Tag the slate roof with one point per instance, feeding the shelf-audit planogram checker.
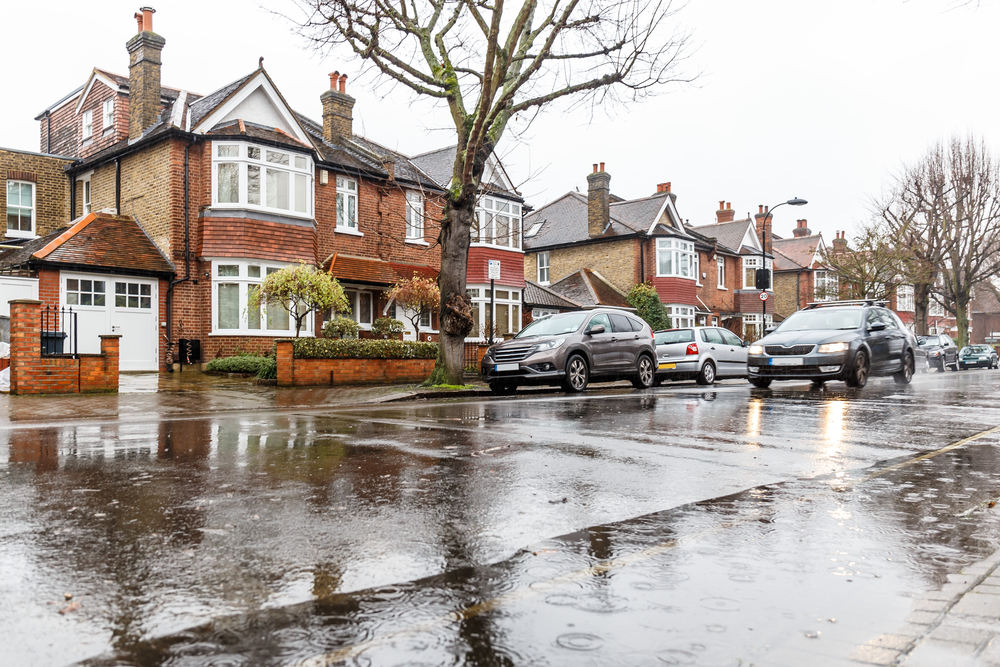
(728, 234)
(440, 163)
(202, 107)
(366, 270)
(795, 253)
(539, 295)
(256, 131)
(589, 288)
(98, 241)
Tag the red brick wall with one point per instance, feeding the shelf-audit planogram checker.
(675, 290)
(99, 372)
(326, 372)
(749, 302)
(239, 237)
(511, 266)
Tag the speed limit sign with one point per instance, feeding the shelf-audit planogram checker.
(763, 296)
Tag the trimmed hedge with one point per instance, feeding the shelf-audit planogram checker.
(365, 348)
(247, 364)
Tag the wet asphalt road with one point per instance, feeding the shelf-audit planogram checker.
(672, 526)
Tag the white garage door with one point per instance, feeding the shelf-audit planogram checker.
(115, 305)
(16, 288)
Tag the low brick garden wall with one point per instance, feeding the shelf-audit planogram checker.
(311, 364)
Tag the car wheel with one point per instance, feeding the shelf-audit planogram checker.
(644, 373)
(503, 388)
(658, 380)
(859, 374)
(577, 374)
(707, 374)
(955, 366)
(906, 373)
(940, 367)
(761, 383)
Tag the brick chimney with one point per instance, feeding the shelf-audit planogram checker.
(763, 220)
(662, 187)
(144, 75)
(725, 212)
(338, 122)
(598, 201)
(801, 229)
(840, 243)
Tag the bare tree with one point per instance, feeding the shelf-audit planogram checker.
(949, 220)
(871, 269)
(492, 66)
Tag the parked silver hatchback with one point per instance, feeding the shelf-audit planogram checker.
(573, 349)
(700, 353)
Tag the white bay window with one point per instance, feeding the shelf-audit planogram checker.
(506, 312)
(233, 281)
(675, 258)
(497, 223)
(826, 286)
(250, 176)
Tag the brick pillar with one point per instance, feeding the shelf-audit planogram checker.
(286, 363)
(25, 342)
(109, 350)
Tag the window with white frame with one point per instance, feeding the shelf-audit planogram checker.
(826, 286)
(20, 208)
(233, 280)
(250, 176)
(498, 222)
(86, 195)
(506, 312)
(108, 117)
(904, 299)
(675, 257)
(750, 266)
(720, 272)
(543, 268)
(414, 215)
(347, 204)
(752, 328)
(361, 307)
(681, 316)
(88, 125)
(697, 268)
(935, 307)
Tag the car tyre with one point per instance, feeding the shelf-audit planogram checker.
(658, 380)
(761, 383)
(940, 367)
(577, 374)
(905, 375)
(503, 388)
(707, 373)
(858, 376)
(644, 373)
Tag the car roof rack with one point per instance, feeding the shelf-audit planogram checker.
(856, 302)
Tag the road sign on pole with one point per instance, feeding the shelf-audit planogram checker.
(763, 296)
(494, 269)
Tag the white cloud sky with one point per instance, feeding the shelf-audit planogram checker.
(819, 100)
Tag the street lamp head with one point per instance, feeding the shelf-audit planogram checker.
(797, 202)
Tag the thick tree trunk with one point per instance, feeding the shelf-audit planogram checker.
(456, 312)
(921, 301)
(962, 319)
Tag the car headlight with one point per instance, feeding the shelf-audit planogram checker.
(936, 353)
(549, 344)
(756, 349)
(829, 348)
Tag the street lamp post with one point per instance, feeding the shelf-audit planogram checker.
(763, 284)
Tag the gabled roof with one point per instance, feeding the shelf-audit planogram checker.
(439, 164)
(119, 84)
(589, 288)
(98, 241)
(539, 295)
(733, 235)
(797, 253)
(371, 271)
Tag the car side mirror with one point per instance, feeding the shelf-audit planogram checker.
(744, 343)
(876, 326)
(596, 329)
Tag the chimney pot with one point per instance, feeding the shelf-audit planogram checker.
(668, 186)
(138, 20)
(722, 205)
(729, 205)
(595, 167)
(760, 209)
(334, 76)
(602, 166)
(343, 83)
(800, 223)
(147, 18)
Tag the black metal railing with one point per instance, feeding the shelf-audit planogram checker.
(59, 331)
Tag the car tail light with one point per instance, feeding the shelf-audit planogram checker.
(692, 348)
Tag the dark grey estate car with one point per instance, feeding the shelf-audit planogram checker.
(836, 340)
(572, 349)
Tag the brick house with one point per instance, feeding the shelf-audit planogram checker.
(625, 242)
(800, 277)
(233, 185)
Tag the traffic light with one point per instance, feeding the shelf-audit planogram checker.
(763, 279)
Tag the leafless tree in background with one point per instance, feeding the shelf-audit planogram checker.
(871, 268)
(491, 65)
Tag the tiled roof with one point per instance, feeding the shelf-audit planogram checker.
(256, 131)
(349, 268)
(439, 165)
(728, 234)
(98, 240)
(589, 288)
(539, 295)
(638, 214)
(796, 252)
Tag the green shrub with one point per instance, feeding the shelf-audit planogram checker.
(369, 348)
(386, 327)
(268, 369)
(245, 363)
(646, 301)
(341, 327)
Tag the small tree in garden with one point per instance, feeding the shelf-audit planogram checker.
(300, 289)
(417, 295)
(646, 301)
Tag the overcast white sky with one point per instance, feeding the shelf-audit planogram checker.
(819, 100)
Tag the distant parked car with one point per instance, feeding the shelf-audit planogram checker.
(573, 349)
(703, 354)
(940, 351)
(977, 356)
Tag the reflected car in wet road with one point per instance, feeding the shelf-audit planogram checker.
(939, 350)
(572, 350)
(836, 340)
(977, 356)
(700, 353)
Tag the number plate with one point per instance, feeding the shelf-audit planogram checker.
(663, 367)
(500, 368)
(785, 361)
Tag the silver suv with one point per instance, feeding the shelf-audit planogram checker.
(572, 349)
(699, 353)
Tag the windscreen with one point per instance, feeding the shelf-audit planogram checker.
(674, 336)
(975, 349)
(927, 340)
(823, 319)
(554, 325)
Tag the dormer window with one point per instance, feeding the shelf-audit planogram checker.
(88, 125)
(258, 177)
